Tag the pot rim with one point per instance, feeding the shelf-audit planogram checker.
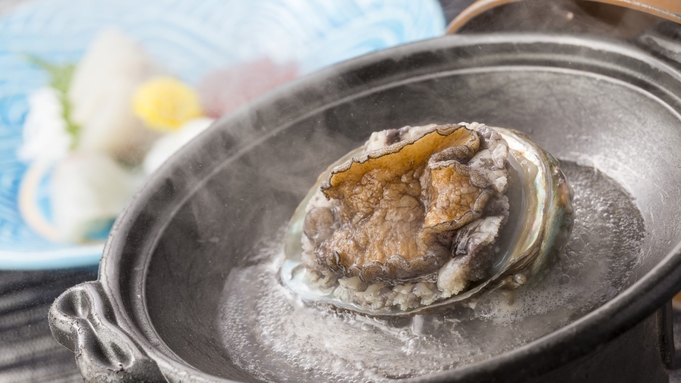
(598, 327)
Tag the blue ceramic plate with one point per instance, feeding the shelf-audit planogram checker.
(190, 38)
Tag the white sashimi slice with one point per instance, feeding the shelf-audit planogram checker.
(89, 190)
(114, 129)
(101, 92)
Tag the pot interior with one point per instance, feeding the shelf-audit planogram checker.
(238, 184)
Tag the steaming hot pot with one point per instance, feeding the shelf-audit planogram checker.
(152, 314)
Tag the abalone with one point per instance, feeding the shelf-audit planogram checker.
(422, 217)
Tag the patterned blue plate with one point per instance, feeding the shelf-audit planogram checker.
(190, 39)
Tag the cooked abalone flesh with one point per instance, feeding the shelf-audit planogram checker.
(425, 216)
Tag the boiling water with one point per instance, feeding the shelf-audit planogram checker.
(275, 337)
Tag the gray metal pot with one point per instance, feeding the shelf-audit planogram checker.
(152, 315)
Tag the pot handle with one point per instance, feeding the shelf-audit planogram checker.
(667, 9)
(82, 320)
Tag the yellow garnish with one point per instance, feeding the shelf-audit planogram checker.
(165, 103)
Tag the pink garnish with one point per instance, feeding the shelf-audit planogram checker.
(226, 89)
